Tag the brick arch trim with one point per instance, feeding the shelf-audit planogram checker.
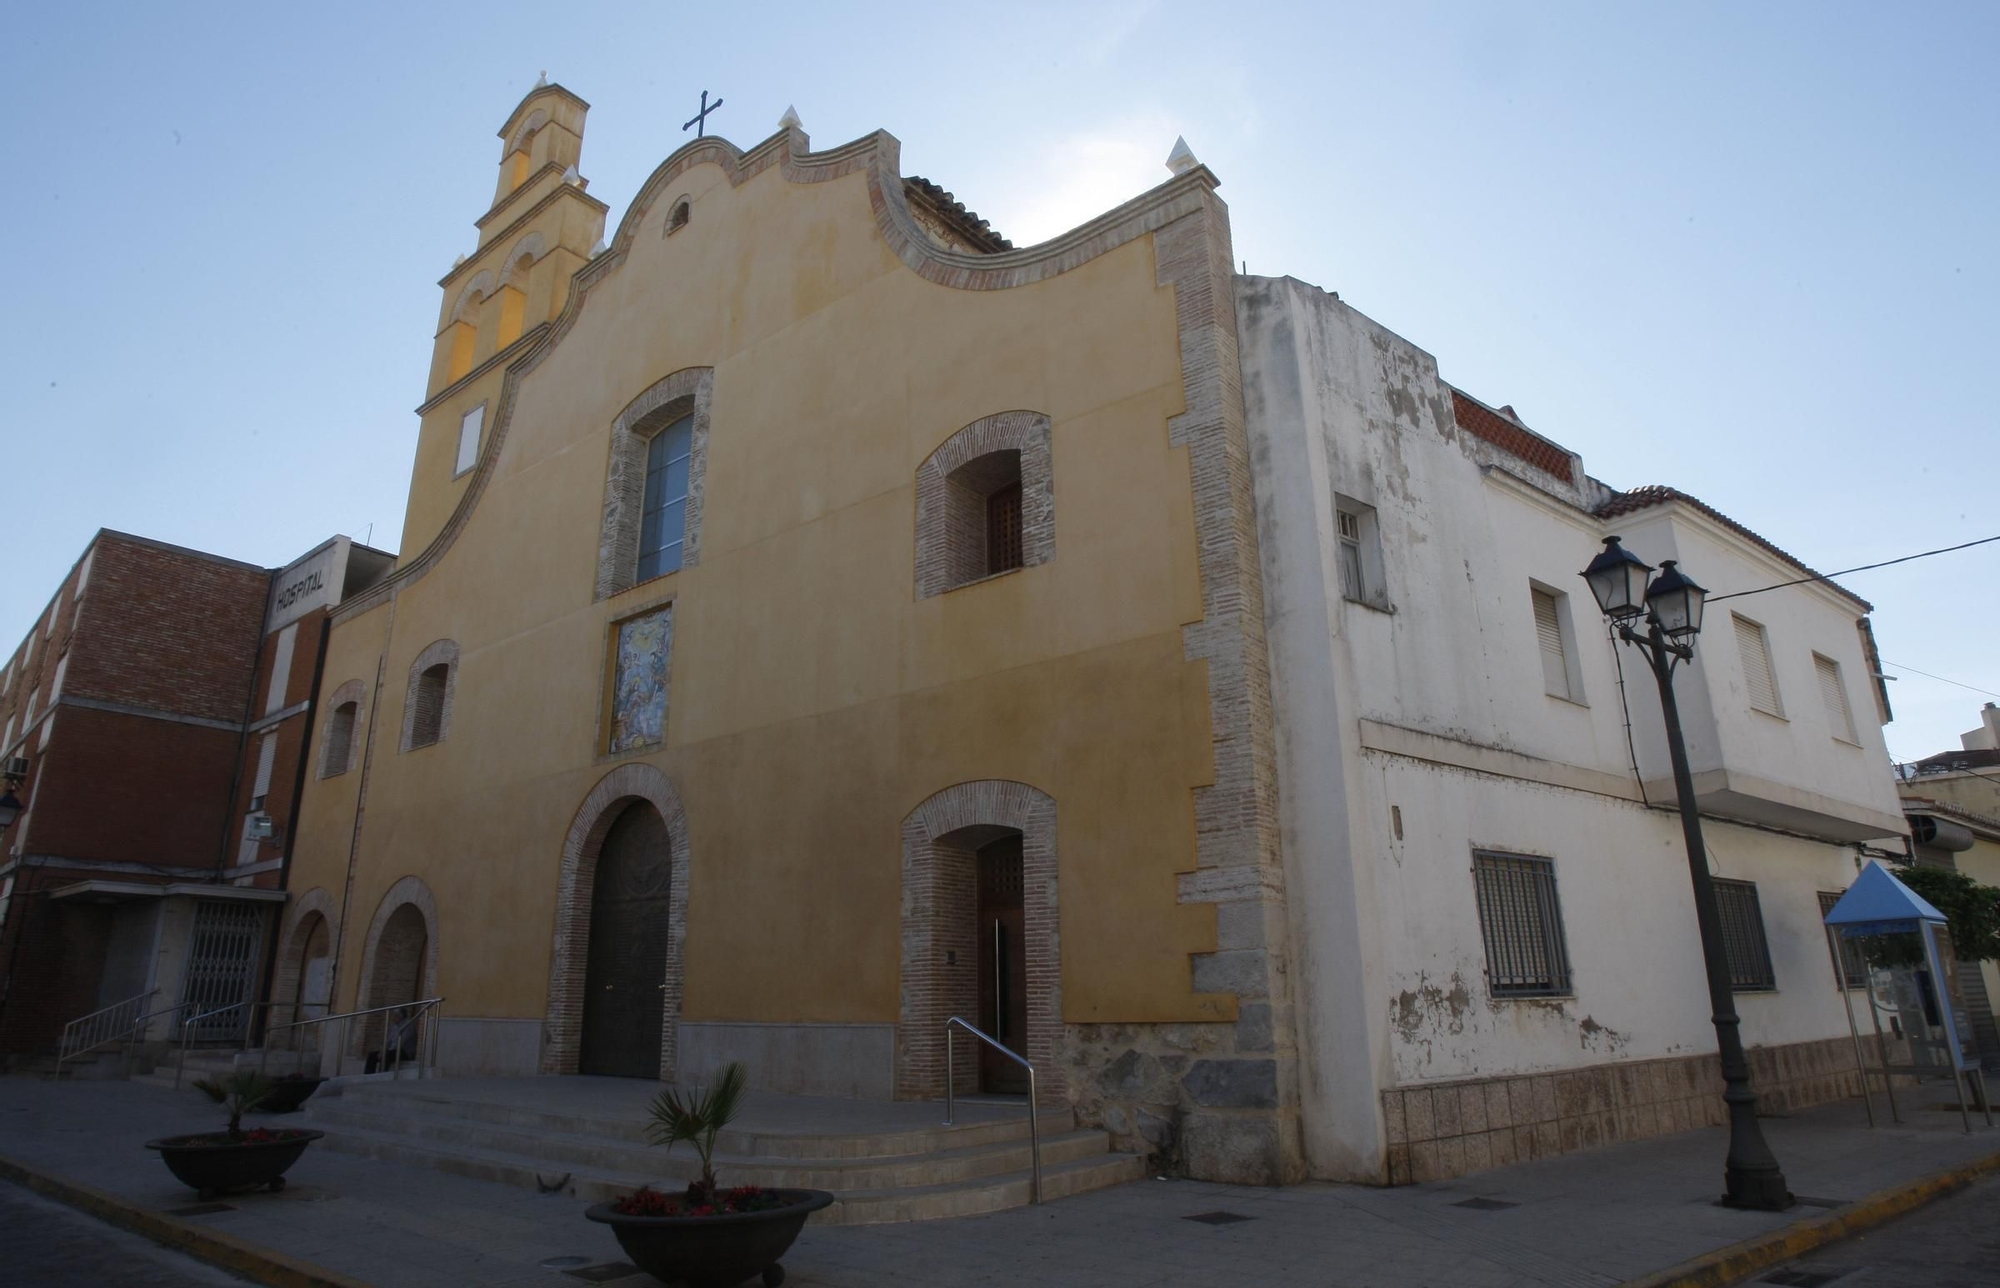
(292, 937)
(534, 246)
(1026, 432)
(480, 286)
(412, 891)
(445, 651)
(350, 691)
(685, 392)
(939, 883)
(562, 1034)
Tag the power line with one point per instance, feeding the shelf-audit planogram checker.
(1800, 581)
(1928, 676)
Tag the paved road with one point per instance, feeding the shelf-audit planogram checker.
(46, 1244)
(1953, 1243)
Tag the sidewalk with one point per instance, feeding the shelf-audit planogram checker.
(1587, 1220)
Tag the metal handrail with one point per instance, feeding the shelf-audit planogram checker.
(426, 1014)
(190, 1023)
(95, 1022)
(1034, 1120)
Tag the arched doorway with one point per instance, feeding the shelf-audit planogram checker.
(626, 964)
(398, 965)
(980, 939)
(639, 804)
(312, 986)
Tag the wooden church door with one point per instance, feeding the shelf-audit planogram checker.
(626, 968)
(1003, 965)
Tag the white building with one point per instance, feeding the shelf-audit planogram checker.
(1496, 954)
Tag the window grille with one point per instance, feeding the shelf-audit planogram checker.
(1850, 968)
(663, 519)
(1521, 922)
(1743, 941)
(1003, 529)
(1548, 632)
(1755, 651)
(1833, 696)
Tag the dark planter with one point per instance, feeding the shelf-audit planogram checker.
(292, 1093)
(713, 1251)
(211, 1170)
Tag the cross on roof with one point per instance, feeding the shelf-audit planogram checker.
(700, 122)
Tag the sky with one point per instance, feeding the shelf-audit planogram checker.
(1746, 250)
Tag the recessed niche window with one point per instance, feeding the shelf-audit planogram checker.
(1359, 550)
(985, 503)
(469, 428)
(677, 216)
(1753, 650)
(427, 709)
(1556, 641)
(1527, 954)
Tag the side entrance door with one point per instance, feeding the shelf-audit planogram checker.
(626, 969)
(1003, 965)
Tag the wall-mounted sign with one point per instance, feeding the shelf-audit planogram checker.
(312, 582)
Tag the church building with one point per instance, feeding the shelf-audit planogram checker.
(819, 618)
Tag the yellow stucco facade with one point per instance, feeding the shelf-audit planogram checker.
(816, 700)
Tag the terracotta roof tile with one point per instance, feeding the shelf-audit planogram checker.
(1507, 433)
(953, 211)
(1641, 498)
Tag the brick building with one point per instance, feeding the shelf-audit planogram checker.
(153, 719)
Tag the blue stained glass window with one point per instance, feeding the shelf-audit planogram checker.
(663, 521)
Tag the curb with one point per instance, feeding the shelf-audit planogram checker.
(263, 1265)
(1728, 1265)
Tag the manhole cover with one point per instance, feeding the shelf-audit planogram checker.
(1485, 1205)
(605, 1273)
(200, 1209)
(563, 1263)
(1219, 1218)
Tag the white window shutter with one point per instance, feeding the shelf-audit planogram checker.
(267, 755)
(1548, 633)
(1754, 651)
(1833, 695)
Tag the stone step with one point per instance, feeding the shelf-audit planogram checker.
(566, 1150)
(853, 1207)
(413, 1098)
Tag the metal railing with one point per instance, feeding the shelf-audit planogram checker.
(420, 1023)
(192, 1024)
(114, 1023)
(1034, 1119)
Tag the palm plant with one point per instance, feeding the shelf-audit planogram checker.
(698, 1117)
(241, 1091)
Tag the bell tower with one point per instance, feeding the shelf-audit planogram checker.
(538, 231)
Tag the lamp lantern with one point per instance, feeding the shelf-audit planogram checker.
(1676, 601)
(1617, 578)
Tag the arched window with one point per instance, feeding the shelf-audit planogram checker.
(338, 756)
(653, 490)
(985, 503)
(677, 218)
(427, 709)
(663, 516)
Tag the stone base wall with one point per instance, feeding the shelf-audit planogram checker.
(1190, 1097)
(1455, 1128)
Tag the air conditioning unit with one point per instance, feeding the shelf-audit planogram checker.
(260, 828)
(17, 767)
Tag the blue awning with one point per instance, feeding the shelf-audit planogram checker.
(1878, 904)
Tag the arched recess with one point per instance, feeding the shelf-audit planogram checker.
(310, 924)
(614, 793)
(339, 743)
(940, 839)
(428, 700)
(399, 958)
(950, 497)
(525, 136)
(684, 393)
(466, 309)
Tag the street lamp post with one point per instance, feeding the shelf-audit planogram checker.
(1671, 605)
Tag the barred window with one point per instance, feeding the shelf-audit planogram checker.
(1849, 966)
(1743, 936)
(1521, 922)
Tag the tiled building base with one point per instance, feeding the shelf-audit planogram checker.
(1454, 1128)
